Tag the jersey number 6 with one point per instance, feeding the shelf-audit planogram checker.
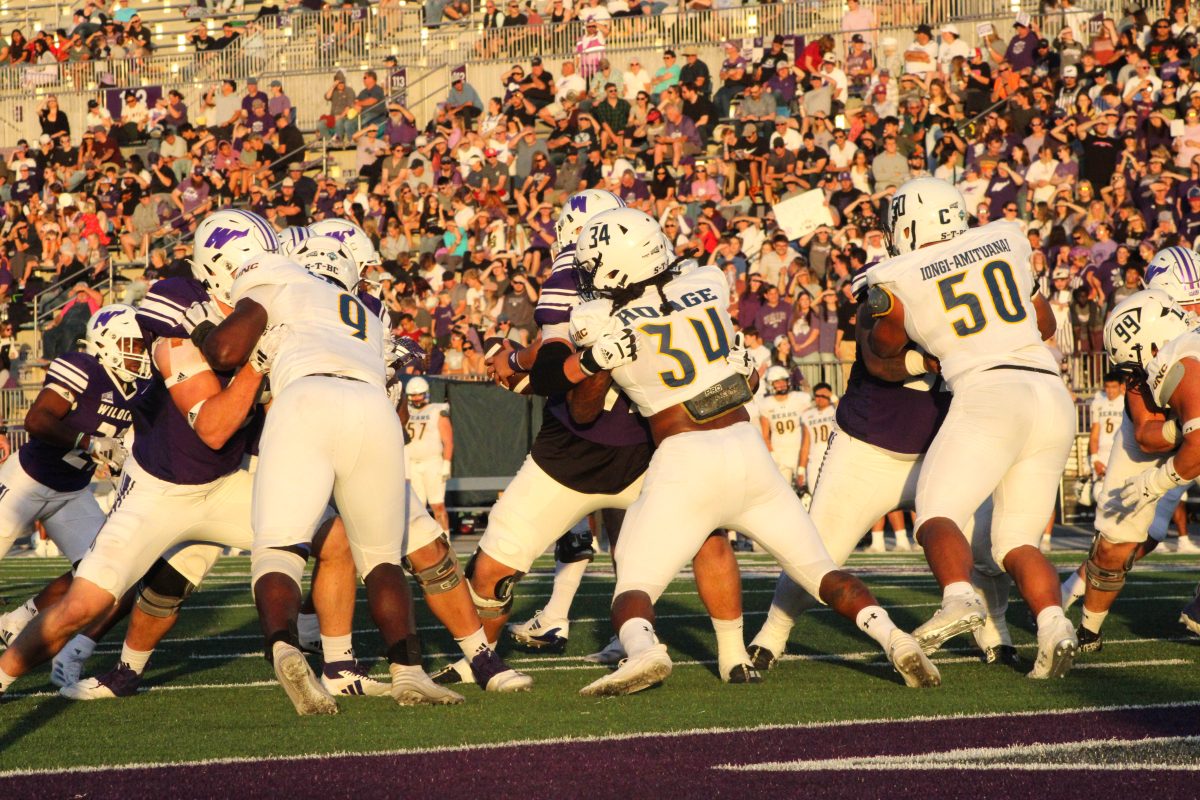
(1002, 287)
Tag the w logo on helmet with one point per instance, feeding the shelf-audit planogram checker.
(104, 317)
(579, 203)
(219, 237)
(341, 236)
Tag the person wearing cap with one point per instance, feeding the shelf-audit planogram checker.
(920, 58)
(783, 87)
(735, 76)
(251, 94)
(369, 101)
(771, 59)
(1069, 91)
(1021, 52)
(835, 76)
(341, 100)
(780, 167)
(950, 46)
(750, 153)
(462, 101)
(694, 71)
(860, 66)
(665, 76)
(538, 86)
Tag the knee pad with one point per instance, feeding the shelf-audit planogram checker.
(273, 559)
(163, 590)
(440, 578)
(1102, 578)
(486, 607)
(572, 547)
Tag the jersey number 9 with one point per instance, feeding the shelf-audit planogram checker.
(353, 315)
(1001, 286)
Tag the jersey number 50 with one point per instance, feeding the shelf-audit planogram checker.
(1005, 297)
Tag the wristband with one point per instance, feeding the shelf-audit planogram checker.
(588, 363)
(1170, 431)
(202, 332)
(78, 439)
(514, 362)
(914, 363)
(1166, 478)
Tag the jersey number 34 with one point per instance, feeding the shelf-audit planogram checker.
(713, 350)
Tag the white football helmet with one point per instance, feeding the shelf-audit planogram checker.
(778, 374)
(1176, 270)
(114, 337)
(620, 249)
(292, 237)
(1139, 327)
(224, 241)
(418, 392)
(355, 238)
(577, 210)
(922, 211)
(328, 258)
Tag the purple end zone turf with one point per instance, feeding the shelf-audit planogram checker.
(680, 766)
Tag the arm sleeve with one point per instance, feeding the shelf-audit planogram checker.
(546, 377)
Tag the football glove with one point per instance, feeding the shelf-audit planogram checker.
(201, 312)
(402, 351)
(741, 359)
(107, 450)
(445, 469)
(1142, 489)
(264, 351)
(611, 350)
(590, 321)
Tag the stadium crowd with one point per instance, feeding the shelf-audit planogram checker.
(1089, 139)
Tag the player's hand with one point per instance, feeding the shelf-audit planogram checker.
(107, 450)
(739, 358)
(1098, 469)
(198, 314)
(933, 364)
(615, 349)
(1137, 492)
(498, 365)
(446, 469)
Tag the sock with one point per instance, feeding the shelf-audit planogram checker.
(637, 635)
(877, 541)
(902, 538)
(1045, 619)
(30, 608)
(958, 589)
(80, 647)
(775, 631)
(337, 648)
(875, 622)
(6, 681)
(731, 644)
(1073, 588)
(307, 627)
(135, 659)
(1092, 620)
(472, 644)
(567, 578)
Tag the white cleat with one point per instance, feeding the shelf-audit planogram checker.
(297, 679)
(877, 547)
(412, 687)
(958, 615)
(903, 545)
(911, 662)
(1186, 545)
(612, 654)
(493, 675)
(648, 668)
(350, 678)
(541, 633)
(1056, 651)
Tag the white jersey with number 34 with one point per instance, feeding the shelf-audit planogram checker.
(323, 329)
(968, 301)
(680, 354)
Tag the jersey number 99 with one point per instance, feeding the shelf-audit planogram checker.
(1001, 286)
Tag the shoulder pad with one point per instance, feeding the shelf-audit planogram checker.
(880, 301)
(70, 371)
(270, 269)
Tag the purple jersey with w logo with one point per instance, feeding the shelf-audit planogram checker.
(100, 406)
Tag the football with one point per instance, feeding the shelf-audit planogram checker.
(517, 382)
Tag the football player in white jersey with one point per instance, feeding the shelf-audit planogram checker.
(664, 336)
(1107, 410)
(332, 432)
(968, 299)
(429, 448)
(780, 413)
(820, 423)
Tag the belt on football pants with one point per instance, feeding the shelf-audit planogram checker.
(334, 375)
(1023, 369)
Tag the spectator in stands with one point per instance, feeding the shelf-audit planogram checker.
(343, 110)
(463, 102)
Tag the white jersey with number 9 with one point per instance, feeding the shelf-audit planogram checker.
(680, 354)
(323, 329)
(968, 300)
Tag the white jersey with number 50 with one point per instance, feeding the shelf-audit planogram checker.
(680, 354)
(968, 300)
(323, 329)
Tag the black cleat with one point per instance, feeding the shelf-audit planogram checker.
(744, 673)
(1089, 642)
(1004, 655)
(761, 658)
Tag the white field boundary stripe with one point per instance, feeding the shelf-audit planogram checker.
(983, 758)
(614, 737)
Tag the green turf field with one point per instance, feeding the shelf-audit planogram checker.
(211, 694)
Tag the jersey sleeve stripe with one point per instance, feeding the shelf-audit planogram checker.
(158, 298)
(69, 380)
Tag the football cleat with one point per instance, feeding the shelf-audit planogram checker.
(1056, 651)
(455, 672)
(302, 687)
(541, 633)
(412, 687)
(493, 675)
(911, 662)
(903, 544)
(1004, 654)
(958, 614)
(1186, 545)
(67, 668)
(612, 654)
(742, 673)
(351, 677)
(876, 547)
(648, 668)
(120, 681)
(1089, 642)
(761, 658)
(1190, 616)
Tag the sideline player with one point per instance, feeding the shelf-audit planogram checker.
(820, 423)
(664, 336)
(429, 448)
(76, 422)
(968, 299)
(591, 454)
(781, 411)
(1107, 408)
